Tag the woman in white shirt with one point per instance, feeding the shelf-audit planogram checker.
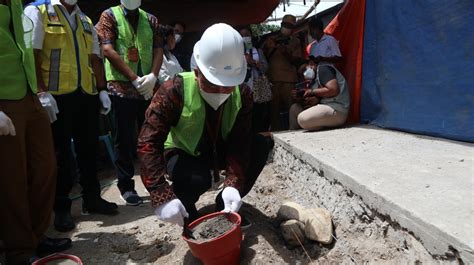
(170, 66)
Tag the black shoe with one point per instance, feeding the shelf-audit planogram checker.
(53, 245)
(100, 206)
(244, 223)
(63, 222)
(132, 198)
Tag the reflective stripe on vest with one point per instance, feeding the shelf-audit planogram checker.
(65, 57)
(187, 134)
(126, 39)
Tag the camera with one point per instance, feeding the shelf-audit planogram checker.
(300, 88)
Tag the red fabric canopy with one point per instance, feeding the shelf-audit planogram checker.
(348, 28)
(196, 14)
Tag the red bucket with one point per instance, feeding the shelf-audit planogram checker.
(224, 249)
(58, 257)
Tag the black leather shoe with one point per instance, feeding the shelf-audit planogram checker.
(52, 245)
(244, 223)
(100, 206)
(63, 222)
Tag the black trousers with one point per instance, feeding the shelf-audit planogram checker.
(129, 117)
(261, 117)
(78, 120)
(191, 175)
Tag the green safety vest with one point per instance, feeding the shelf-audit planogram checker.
(142, 40)
(16, 60)
(188, 132)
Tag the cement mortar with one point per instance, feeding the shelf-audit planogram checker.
(363, 235)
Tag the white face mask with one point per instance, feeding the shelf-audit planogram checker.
(70, 2)
(247, 40)
(214, 99)
(178, 37)
(131, 4)
(309, 73)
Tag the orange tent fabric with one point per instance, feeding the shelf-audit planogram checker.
(348, 28)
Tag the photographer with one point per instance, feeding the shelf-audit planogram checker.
(283, 52)
(325, 104)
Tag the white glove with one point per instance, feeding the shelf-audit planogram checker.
(6, 125)
(106, 103)
(49, 103)
(232, 200)
(146, 85)
(135, 82)
(172, 212)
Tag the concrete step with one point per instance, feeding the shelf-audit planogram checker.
(424, 184)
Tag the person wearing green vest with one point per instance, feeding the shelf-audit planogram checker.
(27, 162)
(133, 48)
(200, 122)
(71, 74)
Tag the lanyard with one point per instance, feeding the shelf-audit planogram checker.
(214, 135)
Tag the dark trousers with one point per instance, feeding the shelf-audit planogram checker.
(280, 105)
(78, 119)
(27, 178)
(191, 175)
(261, 117)
(129, 117)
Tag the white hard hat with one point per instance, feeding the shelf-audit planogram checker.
(220, 55)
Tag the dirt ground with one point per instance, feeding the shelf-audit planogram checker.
(135, 235)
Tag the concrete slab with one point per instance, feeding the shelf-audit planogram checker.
(425, 184)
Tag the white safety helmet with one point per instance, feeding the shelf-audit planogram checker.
(219, 54)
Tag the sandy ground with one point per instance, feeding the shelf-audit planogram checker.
(135, 235)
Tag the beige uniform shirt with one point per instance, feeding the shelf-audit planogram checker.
(280, 68)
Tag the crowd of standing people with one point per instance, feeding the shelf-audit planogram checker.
(187, 125)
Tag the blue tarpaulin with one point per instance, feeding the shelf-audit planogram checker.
(418, 67)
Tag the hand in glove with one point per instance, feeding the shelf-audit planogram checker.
(6, 125)
(106, 103)
(172, 212)
(49, 103)
(232, 200)
(136, 82)
(146, 85)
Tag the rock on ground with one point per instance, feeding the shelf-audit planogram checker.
(318, 225)
(293, 232)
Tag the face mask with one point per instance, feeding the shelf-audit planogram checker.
(131, 4)
(247, 40)
(214, 99)
(309, 73)
(70, 2)
(178, 37)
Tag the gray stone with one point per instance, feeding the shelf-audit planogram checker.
(318, 225)
(290, 210)
(292, 231)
